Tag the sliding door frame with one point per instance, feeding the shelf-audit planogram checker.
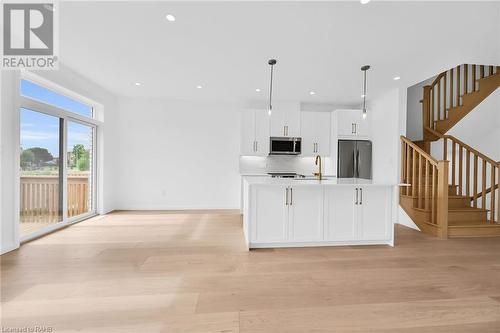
(66, 117)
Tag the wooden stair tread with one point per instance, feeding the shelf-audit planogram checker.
(468, 209)
(474, 223)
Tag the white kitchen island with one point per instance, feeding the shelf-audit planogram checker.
(308, 212)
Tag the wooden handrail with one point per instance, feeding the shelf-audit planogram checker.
(466, 146)
(447, 89)
(488, 190)
(428, 180)
(427, 156)
(484, 171)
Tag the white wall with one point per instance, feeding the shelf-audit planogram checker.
(9, 130)
(414, 130)
(388, 118)
(9, 149)
(481, 127)
(176, 155)
(384, 112)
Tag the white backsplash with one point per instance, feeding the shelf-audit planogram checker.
(301, 165)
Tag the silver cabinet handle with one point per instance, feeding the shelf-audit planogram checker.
(286, 197)
(317, 147)
(361, 196)
(256, 145)
(357, 195)
(355, 128)
(291, 196)
(284, 130)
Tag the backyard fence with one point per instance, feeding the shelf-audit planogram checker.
(40, 197)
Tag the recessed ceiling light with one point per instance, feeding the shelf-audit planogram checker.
(396, 78)
(257, 90)
(137, 83)
(170, 17)
(198, 87)
(312, 93)
(364, 2)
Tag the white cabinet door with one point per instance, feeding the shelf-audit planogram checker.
(308, 133)
(323, 133)
(305, 213)
(270, 214)
(351, 123)
(285, 120)
(248, 132)
(374, 212)
(315, 133)
(340, 213)
(278, 122)
(292, 122)
(346, 122)
(261, 133)
(362, 126)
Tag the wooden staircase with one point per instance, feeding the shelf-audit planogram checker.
(448, 201)
(457, 196)
(453, 94)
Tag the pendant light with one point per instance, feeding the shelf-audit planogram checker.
(271, 63)
(364, 69)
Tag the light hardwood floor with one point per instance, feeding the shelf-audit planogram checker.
(190, 272)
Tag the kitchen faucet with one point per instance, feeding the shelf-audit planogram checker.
(319, 174)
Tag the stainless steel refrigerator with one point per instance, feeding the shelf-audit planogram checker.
(354, 159)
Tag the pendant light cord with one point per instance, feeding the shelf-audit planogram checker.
(364, 91)
(271, 89)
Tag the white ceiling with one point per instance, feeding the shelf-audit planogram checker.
(320, 46)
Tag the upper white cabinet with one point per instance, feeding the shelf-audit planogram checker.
(351, 123)
(255, 133)
(315, 131)
(285, 119)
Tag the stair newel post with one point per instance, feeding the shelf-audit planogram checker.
(498, 198)
(427, 118)
(442, 199)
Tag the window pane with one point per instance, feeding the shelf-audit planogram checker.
(80, 168)
(41, 200)
(42, 94)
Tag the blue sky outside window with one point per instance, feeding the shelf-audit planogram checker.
(42, 94)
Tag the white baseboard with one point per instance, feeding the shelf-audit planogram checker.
(168, 207)
(8, 248)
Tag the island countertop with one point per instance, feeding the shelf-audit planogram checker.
(266, 180)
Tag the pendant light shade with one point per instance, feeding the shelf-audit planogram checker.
(271, 63)
(364, 69)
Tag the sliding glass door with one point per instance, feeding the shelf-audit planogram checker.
(41, 171)
(57, 160)
(80, 166)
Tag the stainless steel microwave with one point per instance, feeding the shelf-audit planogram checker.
(285, 146)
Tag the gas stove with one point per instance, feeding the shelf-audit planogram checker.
(285, 175)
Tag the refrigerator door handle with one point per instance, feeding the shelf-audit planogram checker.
(357, 163)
